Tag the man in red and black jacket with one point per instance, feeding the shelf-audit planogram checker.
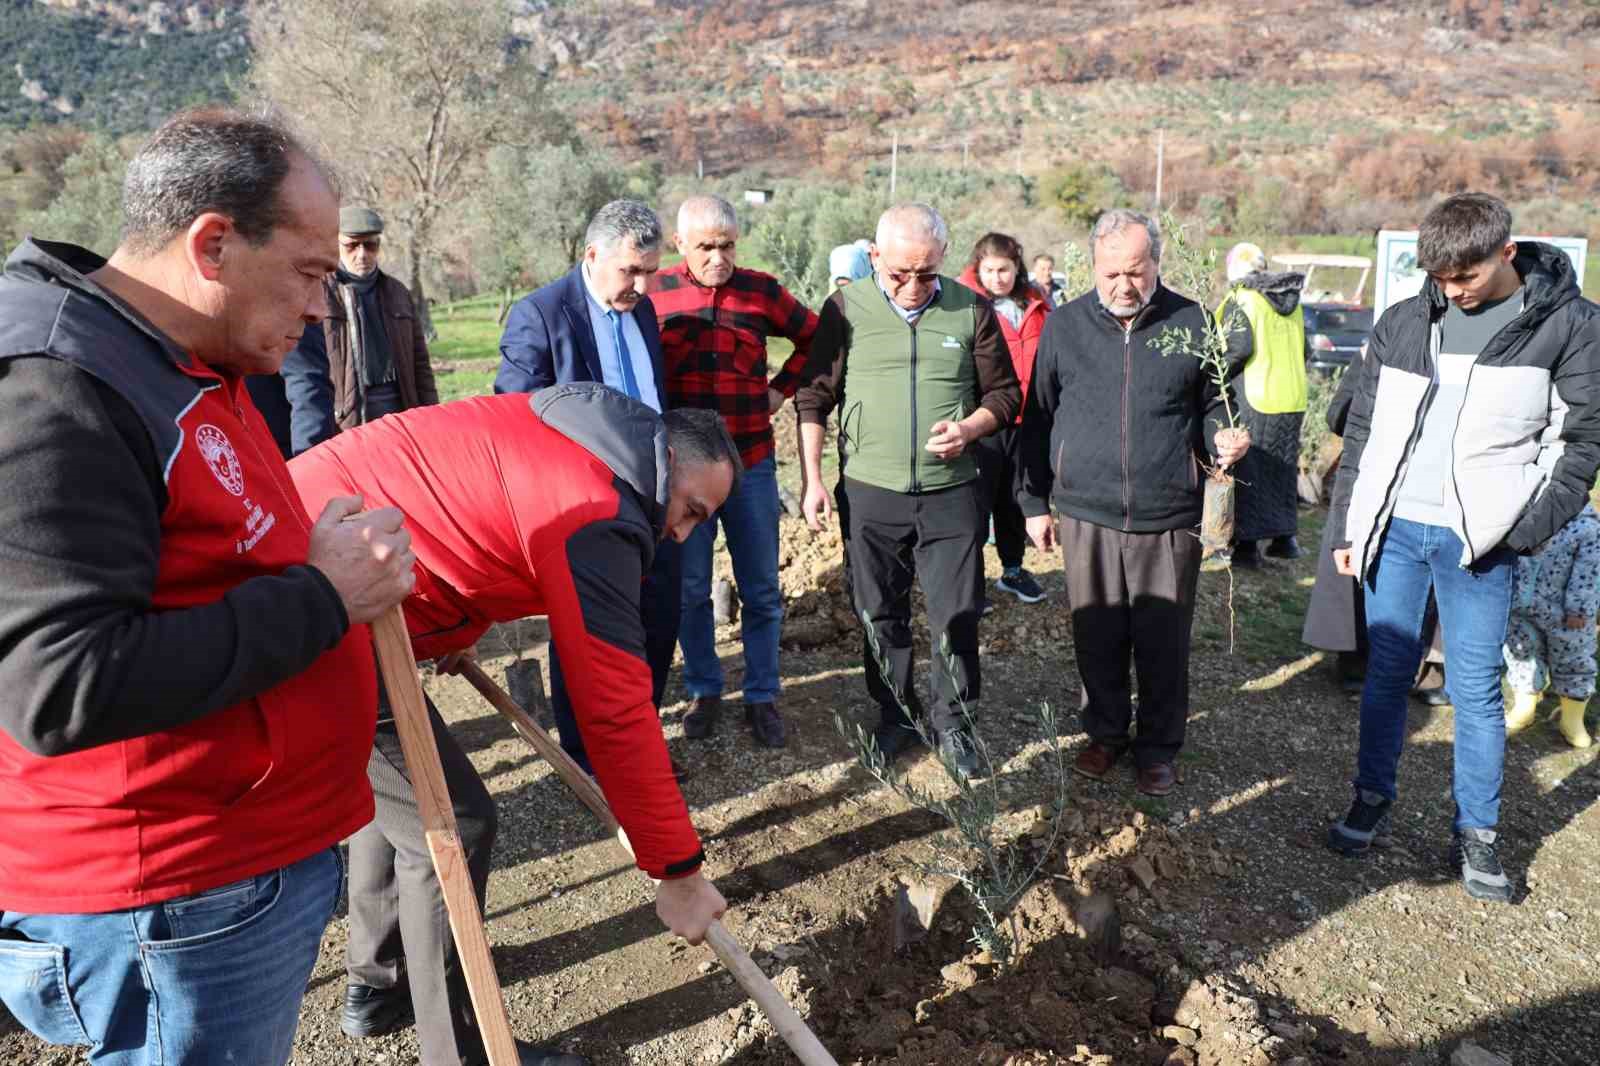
(715, 320)
(173, 781)
(544, 504)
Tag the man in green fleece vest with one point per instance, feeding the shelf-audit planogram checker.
(928, 374)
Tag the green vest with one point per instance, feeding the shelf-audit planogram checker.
(1275, 375)
(901, 379)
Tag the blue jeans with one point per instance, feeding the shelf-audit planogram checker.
(1474, 604)
(216, 977)
(750, 524)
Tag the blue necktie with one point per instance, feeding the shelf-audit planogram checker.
(630, 384)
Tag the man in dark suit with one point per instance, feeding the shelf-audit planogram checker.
(597, 324)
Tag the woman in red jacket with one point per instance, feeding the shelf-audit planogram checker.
(996, 270)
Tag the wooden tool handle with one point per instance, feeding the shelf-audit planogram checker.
(788, 1024)
(581, 783)
(399, 670)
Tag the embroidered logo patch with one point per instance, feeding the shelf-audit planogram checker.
(217, 451)
(951, 342)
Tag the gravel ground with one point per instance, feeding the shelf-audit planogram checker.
(1243, 940)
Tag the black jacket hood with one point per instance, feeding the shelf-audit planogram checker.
(1281, 288)
(1548, 279)
(623, 433)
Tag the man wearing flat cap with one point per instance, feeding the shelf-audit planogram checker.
(368, 358)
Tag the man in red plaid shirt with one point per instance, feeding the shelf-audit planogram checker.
(715, 320)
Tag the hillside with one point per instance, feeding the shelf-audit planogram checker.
(115, 66)
(1392, 96)
(1332, 115)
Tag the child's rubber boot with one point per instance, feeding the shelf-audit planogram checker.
(1572, 721)
(1520, 711)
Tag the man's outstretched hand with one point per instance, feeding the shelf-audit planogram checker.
(688, 906)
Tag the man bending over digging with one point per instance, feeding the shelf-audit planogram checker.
(543, 504)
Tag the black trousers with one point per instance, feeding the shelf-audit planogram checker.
(997, 465)
(661, 606)
(1132, 595)
(895, 537)
(396, 902)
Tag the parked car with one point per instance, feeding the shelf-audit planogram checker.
(1335, 334)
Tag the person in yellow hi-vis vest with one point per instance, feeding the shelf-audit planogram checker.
(1266, 332)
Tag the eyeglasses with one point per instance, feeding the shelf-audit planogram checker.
(901, 277)
(370, 244)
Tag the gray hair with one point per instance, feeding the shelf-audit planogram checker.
(712, 212)
(1462, 231)
(918, 220)
(213, 159)
(1121, 218)
(698, 436)
(624, 220)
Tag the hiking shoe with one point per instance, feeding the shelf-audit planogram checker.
(702, 721)
(766, 724)
(956, 750)
(1354, 833)
(1481, 873)
(894, 738)
(1216, 562)
(1020, 584)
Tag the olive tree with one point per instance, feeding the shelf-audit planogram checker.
(405, 97)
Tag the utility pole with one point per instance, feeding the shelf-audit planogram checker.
(700, 167)
(966, 144)
(1161, 159)
(1019, 159)
(894, 167)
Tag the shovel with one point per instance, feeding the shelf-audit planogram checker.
(801, 1040)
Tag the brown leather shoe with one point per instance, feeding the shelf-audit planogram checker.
(1157, 780)
(1096, 760)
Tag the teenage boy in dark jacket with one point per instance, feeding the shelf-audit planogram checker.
(1113, 433)
(1473, 437)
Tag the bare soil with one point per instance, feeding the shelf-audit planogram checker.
(1242, 940)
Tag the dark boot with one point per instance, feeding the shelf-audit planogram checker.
(766, 725)
(702, 721)
(370, 1012)
(1246, 556)
(1284, 548)
(531, 1055)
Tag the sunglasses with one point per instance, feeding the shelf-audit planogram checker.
(901, 277)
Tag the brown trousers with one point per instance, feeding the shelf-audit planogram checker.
(1132, 597)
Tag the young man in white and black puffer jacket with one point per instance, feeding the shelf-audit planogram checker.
(1473, 437)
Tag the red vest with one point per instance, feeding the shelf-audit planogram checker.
(240, 791)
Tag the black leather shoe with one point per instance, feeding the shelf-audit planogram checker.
(1284, 548)
(372, 1012)
(531, 1055)
(1246, 556)
(766, 724)
(702, 721)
